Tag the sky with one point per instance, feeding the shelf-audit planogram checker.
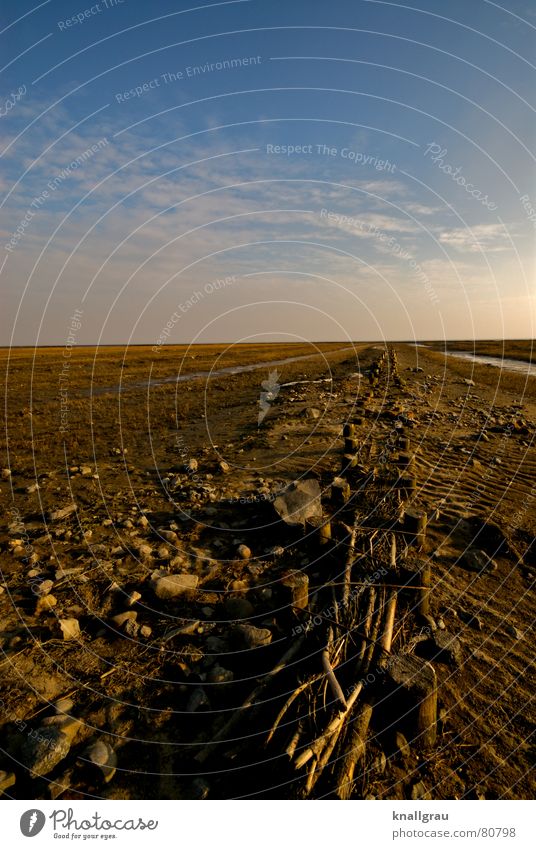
(178, 172)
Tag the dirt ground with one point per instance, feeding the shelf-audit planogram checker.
(171, 471)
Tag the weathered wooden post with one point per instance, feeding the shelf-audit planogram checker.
(416, 685)
(414, 526)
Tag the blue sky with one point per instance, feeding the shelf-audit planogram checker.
(345, 170)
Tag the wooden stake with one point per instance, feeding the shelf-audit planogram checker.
(416, 679)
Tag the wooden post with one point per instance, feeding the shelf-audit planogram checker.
(414, 526)
(404, 461)
(403, 443)
(350, 445)
(407, 484)
(416, 683)
(425, 578)
(348, 430)
(298, 584)
(340, 491)
(319, 528)
(349, 461)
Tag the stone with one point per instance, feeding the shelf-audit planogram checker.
(469, 382)
(145, 632)
(299, 502)
(171, 586)
(70, 628)
(42, 751)
(310, 413)
(144, 551)
(163, 552)
(224, 467)
(133, 598)
(419, 791)
(253, 637)
(131, 628)
(7, 779)
(69, 725)
(85, 471)
(101, 755)
(191, 466)
(478, 561)
(58, 515)
(239, 608)
(43, 588)
(243, 552)
(219, 675)
(169, 536)
(63, 705)
(197, 700)
(402, 745)
(47, 602)
(121, 618)
(6, 474)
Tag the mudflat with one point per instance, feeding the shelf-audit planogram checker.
(145, 571)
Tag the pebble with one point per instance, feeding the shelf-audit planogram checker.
(133, 598)
(191, 466)
(63, 705)
(254, 637)
(45, 603)
(172, 586)
(478, 561)
(101, 755)
(243, 552)
(57, 515)
(43, 588)
(6, 474)
(70, 628)
(145, 631)
(219, 675)
(121, 618)
(224, 467)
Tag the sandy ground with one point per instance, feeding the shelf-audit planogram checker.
(175, 476)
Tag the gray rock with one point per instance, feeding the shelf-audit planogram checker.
(239, 608)
(311, 413)
(478, 561)
(172, 586)
(58, 515)
(101, 755)
(253, 637)
(299, 502)
(42, 752)
(448, 648)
